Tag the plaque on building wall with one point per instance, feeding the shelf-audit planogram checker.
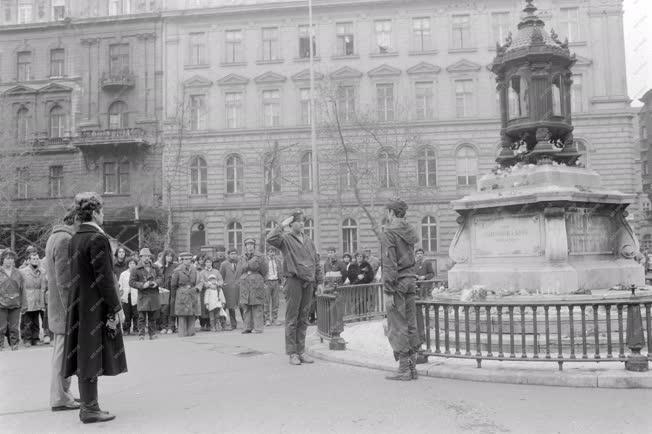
(507, 236)
(589, 233)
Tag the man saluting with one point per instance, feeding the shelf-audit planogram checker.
(303, 271)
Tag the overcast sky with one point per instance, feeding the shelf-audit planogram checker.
(638, 46)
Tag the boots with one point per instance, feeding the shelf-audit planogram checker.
(90, 410)
(403, 373)
(413, 366)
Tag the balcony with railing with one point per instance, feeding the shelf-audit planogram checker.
(117, 80)
(118, 136)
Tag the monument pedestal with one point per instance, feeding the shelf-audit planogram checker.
(544, 228)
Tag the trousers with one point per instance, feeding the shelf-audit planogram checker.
(234, 322)
(186, 325)
(164, 317)
(298, 295)
(59, 385)
(401, 317)
(272, 289)
(131, 316)
(216, 320)
(253, 317)
(29, 326)
(9, 320)
(150, 317)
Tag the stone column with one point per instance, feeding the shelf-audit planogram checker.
(562, 278)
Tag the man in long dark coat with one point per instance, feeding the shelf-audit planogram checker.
(252, 270)
(93, 342)
(230, 275)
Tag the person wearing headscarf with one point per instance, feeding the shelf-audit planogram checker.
(252, 270)
(185, 284)
(229, 271)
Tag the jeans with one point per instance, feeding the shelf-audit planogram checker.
(253, 317)
(298, 294)
(9, 320)
(151, 317)
(272, 288)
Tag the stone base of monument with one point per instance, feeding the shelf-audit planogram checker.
(544, 228)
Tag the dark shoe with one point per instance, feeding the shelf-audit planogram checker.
(412, 361)
(153, 337)
(72, 406)
(294, 359)
(268, 323)
(141, 337)
(306, 358)
(244, 332)
(94, 415)
(403, 373)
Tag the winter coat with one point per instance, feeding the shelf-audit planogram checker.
(167, 282)
(398, 242)
(214, 298)
(204, 274)
(34, 284)
(185, 284)
(253, 271)
(424, 268)
(89, 351)
(57, 263)
(119, 267)
(363, 268)
(125, 289)
(336, 266)
(230, 276)
(148, 298)
(300, 257)
(12, 292)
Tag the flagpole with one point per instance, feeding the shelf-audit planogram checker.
(313, 135)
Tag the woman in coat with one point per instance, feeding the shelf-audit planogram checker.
(360, 272)
(12, 299)
(93, 343)
(253, 270)
(167, 311)
(185, 283)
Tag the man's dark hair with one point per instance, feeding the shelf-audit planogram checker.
(347, 255)
(419, 250)
(86, 204)
(5, 253)
(69, 218)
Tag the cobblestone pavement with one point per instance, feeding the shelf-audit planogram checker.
(232, 383)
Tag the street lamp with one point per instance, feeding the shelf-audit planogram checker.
(313, 134)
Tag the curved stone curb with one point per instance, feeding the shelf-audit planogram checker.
(454, 371)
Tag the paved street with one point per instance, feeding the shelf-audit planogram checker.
(227, 382)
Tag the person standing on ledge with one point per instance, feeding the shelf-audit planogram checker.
(399, 281)
(302, 269)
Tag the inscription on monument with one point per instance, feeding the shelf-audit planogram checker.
(507, 236)
(589, 233)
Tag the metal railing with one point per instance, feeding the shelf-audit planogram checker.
(330, 322)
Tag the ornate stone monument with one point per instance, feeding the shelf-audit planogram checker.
(540, 221)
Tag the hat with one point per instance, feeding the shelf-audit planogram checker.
(397, 204)
(145, 252)
(232, 250)
(249, 241)
(220, 248)
(185, 255)
(297, 216)
(212, 277)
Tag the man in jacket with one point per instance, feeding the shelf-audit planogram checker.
(59, 283)
(272, 286)
(147, 279)
(334, 265)
(93, 342)
(302, 270)
(12, 298)
(400, 289)
(252, 270)
(229, 271)
(34, 285)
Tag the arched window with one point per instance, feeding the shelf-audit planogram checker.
(387, 169)
(429, 234)
(234, 174)
(234, 235)
(270, 226)
(22, 124)
(557, 95)
(197, 237)
(309, 228)
(57, 121)
(583, 149)
(518, 97)
(272, 171)
(198, 176)
(349, 236)
(306, 172)
(426, 167)
(466, 163)
(118, 115)
(646, 243)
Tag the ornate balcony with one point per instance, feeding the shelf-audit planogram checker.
(121, 136)
(118, 81)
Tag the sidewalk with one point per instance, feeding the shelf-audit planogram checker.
(367, 346)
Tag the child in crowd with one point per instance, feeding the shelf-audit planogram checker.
(214, 301)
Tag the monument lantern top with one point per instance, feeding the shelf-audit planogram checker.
(533, 72)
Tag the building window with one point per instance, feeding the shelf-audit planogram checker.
(461, 31)
(272, 172)
(577, 99)
(347, 172)
(383, 30)
(424, 100)
(24, 65)
(304, 104)
(234, 174)
(118, 59)
(22, 183)
(234, 109)
(429, 234)
(271, 108)
(466, 163)
(518, 97)
(464, 106)
(55, 181)
(23, 125)
(270, 43)
(197, 48)
(57, 62)
(569, 22)
(58, 10)
(387, 169)
(197, 112)
(385, 102)
(25, 12)
(304, 42)
(198, 176)
(421, 38)
(306, 172)
(116, 177)
(118, 115)
(197, 237)
(349, 236)
(346, 103)
(345, 39)
(309, 228)
(500, 26)
(426, 167)
(57, 122)
(233, 49)
(234, 235)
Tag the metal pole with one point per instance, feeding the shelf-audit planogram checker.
(313, 135)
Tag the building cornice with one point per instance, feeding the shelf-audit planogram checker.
(71, 23)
